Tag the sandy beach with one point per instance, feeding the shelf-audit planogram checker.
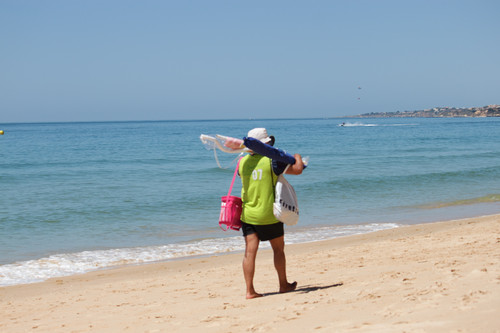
(437, 277)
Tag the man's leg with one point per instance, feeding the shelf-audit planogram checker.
(251, 247)
(278, 245)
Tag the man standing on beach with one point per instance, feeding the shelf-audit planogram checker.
(258, 176)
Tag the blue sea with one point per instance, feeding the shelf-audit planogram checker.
(76, 197)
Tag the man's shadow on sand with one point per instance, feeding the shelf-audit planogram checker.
(308, 289)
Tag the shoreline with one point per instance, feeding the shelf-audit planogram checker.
(433, 277)
(75, 263)
(66, 264)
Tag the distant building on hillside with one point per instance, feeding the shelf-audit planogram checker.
(438, 112)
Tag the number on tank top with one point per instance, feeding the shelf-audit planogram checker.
(257, 174)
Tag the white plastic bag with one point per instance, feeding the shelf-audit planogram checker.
(286, 205)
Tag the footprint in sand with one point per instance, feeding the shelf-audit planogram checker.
(473, 297)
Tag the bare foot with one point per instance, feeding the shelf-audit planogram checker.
(254, 295)
(289, 287)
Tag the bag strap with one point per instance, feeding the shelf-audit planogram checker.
(234, 177)
(277, 178)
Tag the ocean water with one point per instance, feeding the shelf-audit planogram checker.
(76, 197)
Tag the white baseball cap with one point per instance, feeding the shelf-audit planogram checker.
(260, 134)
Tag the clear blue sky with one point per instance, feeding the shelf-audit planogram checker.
(100, 60)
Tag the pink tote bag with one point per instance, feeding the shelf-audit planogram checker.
(231, 206)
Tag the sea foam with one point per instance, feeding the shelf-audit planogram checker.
(66, 264)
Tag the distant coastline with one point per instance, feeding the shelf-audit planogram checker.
(438, 112)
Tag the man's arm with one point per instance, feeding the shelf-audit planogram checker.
(297, 168)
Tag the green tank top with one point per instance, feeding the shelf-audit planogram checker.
(257, 192)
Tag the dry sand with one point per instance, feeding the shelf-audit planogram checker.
(439, 277)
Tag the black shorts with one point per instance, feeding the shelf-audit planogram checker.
(264, 232)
